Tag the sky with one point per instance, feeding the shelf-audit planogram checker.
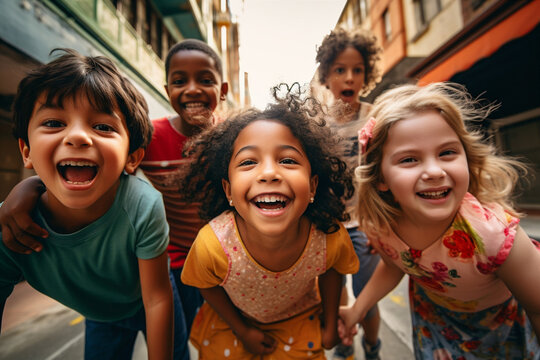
(278, 41)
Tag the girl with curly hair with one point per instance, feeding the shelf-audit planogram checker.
(272, 188)
(434, 199)
(349, 68)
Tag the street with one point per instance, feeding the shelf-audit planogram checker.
(38, 328)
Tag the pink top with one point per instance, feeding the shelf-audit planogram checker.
(458, 271)
(261, 294)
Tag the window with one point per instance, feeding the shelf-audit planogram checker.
(425, 10)
(363, 9)
(387, 24)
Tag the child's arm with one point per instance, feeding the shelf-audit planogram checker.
(520, 274)
(18, 229)
(254, 340)
(330, 284)
(385, 278)
(158, 306)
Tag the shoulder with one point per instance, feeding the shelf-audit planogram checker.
(340, 253)
(491, 229)
(138, 199)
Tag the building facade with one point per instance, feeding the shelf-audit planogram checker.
(490, 46)
(135, 34)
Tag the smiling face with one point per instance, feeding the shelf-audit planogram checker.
(79, 154)
(270, 182)
(424, 166)
(347, 76)
(195, 88)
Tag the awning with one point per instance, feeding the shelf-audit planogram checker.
(444, 64)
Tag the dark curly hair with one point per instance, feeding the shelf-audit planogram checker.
(338, 40)
(210, 153)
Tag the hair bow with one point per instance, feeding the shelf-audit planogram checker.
(365, 134)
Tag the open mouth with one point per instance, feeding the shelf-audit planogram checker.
(195, 107)
(434, 195)
(347, 93)
(77, 172)
(271, 202)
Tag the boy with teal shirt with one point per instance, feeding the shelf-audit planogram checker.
(82, 126)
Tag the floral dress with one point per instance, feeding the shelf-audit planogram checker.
(460, 309)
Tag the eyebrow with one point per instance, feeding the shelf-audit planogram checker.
(281, 147)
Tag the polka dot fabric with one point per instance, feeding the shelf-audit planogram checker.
(264, 295)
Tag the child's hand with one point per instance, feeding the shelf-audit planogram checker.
(257, 342)
(346, 335)
(347, 324)
(329, 337)
(19, 231)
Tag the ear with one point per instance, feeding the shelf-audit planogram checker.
(226, 188)
(25, 153)
(224, 90)
(133, 160)
(382, 187)
(313, 183)
(166, 86)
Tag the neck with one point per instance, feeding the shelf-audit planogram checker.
(66, 220)
(275, 252)
(420, 236)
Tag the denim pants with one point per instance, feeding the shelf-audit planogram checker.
(190, 297)
(368, 263)
(115, 340)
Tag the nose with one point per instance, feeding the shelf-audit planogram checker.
(77, 135)
(349, 76)
(433, 171)
(269, 172)
(192, 88)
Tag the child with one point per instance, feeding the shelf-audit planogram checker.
(81, 126)
(273, 190)
(348, 68)
(434, 200)
(195, 87)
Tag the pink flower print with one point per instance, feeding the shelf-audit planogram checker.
(459, 244)
(450, 334)
(440, 271)
(415, 254)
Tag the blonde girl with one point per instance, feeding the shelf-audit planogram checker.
(434, 199)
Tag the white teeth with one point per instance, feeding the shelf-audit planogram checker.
(433, 194)
(194, 105)
(270, 198)
(76, 163)
(78, 182)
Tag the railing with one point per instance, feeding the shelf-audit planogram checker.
(113, 29)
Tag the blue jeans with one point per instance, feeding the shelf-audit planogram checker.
(190, 297)
(368, 263)
(115, 340)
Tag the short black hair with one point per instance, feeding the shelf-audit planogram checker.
(211, 151)
(193, 44)
(95, 77)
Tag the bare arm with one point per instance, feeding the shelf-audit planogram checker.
(158, 306)
(330, 284)
(385, 278)
(254, 340)
(520, 274)
(19, 231)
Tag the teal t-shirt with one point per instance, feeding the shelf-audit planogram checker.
(95, 270)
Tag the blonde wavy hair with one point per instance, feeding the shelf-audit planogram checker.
(492, 177)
